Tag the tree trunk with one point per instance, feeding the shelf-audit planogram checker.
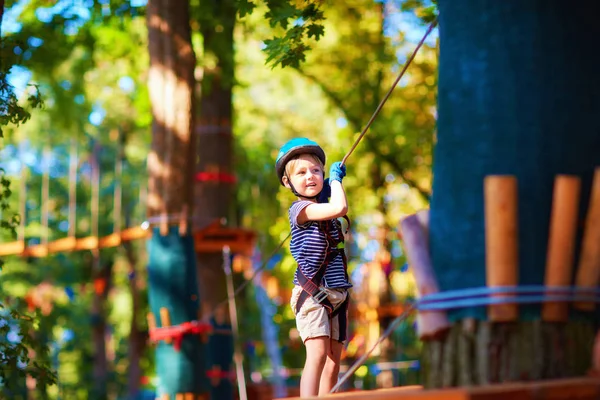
(171, 265)
(214, 171)
(517, 96)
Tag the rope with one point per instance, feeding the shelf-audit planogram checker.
(482, 296)
(408, 62)
(249, 280)
(366, 355)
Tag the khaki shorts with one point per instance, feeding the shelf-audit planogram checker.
(313, 321)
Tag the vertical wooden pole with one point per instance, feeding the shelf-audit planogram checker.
(501, 240)
(588, 270)
(561, 242)
(165, 320)
(151, 321)
(118, 200)
(73, 189)
(45, 196)
(22, 203)
(95, 188)
(238, 356)
(143, 200)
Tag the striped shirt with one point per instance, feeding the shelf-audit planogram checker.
(309, 247)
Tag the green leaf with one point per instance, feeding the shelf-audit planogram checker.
(315, 31)
(245, 7)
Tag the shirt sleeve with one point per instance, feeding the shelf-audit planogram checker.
(295, 210)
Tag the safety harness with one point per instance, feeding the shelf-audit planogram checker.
(312, 286)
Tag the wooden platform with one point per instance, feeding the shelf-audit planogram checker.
(563, 389)
(210, 239)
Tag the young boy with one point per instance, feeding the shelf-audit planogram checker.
(320, 295)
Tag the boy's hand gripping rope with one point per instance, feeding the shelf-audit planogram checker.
(408, 62)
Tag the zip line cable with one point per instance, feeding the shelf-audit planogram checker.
(385, 98)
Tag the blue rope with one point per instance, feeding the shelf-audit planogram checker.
(528, 294)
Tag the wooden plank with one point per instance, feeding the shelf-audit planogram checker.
(64, 244)
(239, 240)
(38, 250)
(112, 240)
(16, 247)
(568, 389)
(559, 389)
(87, 243)
(403, 393)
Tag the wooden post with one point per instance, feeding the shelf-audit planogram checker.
(588, 270)
(45, 197)
(118, 198)
(151, 321)
(22, 203)
(165, 320)
(430, 324)
(238, 356)
(72, 189)
(501, 240)
(95, 165)
(561, 242)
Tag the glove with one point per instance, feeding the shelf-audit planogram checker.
(325, 192)
(337, 172)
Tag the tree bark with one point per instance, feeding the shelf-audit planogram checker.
(517, 96)
(214, 171)
(172, 264)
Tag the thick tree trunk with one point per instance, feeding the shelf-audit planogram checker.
(172, 264)
(214, 173)
(518, 95)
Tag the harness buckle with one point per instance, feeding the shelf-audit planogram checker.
(321, 295)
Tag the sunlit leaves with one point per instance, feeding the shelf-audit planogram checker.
(301, 22)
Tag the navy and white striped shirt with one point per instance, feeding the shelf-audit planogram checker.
(309, 247)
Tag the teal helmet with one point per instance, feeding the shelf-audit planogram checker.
(293, 148)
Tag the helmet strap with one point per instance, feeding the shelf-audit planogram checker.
(295, 192)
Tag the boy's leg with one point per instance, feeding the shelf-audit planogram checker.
(331, 370)
(316, 356)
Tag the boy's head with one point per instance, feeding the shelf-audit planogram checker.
(289, 153)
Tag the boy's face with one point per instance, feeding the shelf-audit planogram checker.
(306, 175)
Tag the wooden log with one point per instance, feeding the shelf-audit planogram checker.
(501, 240)
(16, 247)
(561, 243)
(588, 270)
(430, 324)
(151, 321)
(62, 245)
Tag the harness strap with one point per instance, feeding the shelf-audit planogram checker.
(312, 287)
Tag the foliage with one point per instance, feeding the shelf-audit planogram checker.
(301, 23)
(22, 353)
